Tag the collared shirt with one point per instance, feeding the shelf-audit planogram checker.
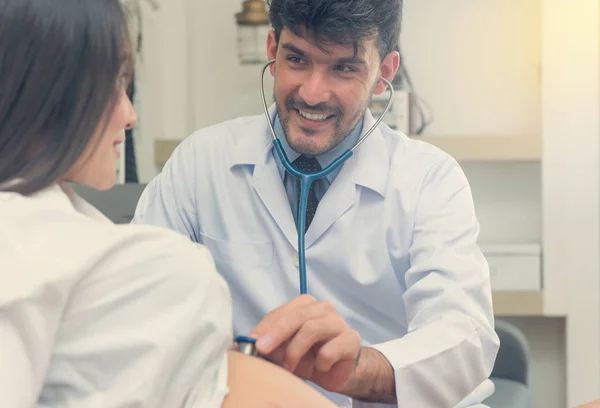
(324, 159)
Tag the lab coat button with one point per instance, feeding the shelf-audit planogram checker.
(296, 261)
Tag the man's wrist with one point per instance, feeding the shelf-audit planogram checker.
(373, 379)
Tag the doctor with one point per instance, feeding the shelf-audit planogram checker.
(399, 309)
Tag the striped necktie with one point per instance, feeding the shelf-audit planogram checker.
(307, 164)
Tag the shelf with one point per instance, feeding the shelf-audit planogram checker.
(163, 149)
(518, 303)
(488, 148)
(484, 148)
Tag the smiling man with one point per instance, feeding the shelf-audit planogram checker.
(399, 308)
(322, 94)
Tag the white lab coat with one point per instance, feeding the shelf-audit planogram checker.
(393, 245)
(98, 315)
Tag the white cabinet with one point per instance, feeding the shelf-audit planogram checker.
(514, 267)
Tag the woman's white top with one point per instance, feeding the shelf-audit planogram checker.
(94, 314)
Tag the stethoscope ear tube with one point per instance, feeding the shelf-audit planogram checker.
(362, 139)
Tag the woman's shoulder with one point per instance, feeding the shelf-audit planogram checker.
(50, 228)
(47, 247)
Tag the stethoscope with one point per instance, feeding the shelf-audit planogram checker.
(306, 179)
(246, 344)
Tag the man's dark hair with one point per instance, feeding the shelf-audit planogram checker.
(344, 22)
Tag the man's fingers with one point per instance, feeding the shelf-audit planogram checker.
(289, 323)
(276, 314)
(312, 332)
(345, 347)
(277, 356)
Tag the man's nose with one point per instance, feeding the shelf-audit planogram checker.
(315, 89)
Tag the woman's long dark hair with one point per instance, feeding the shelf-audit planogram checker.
(60, 61)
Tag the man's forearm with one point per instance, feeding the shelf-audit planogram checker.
(373, 380)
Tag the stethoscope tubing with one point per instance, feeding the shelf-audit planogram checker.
(306, 179)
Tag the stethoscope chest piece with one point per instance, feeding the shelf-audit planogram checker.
(246, 345)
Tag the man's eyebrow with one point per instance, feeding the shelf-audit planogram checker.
(351, 60)
(346, 60)
(294, 49)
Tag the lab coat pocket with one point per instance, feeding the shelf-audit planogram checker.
(238, 252)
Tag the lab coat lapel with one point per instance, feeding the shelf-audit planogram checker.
(269, 187)
(340, 196)
(368, 167)
(256, 149)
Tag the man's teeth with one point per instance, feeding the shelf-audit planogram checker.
(313, 116)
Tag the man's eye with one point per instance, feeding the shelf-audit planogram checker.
(345, 68)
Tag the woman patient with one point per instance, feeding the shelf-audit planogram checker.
(93, 314)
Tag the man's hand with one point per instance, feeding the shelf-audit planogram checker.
(311, 340)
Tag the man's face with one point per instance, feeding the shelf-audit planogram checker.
(321, 95)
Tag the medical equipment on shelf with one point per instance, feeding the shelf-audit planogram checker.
(306, 179)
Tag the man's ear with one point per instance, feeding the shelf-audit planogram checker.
(389, 67)
(271, 49)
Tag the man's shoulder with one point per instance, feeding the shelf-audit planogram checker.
(222, 140)
(413, 150)
(229, 131)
